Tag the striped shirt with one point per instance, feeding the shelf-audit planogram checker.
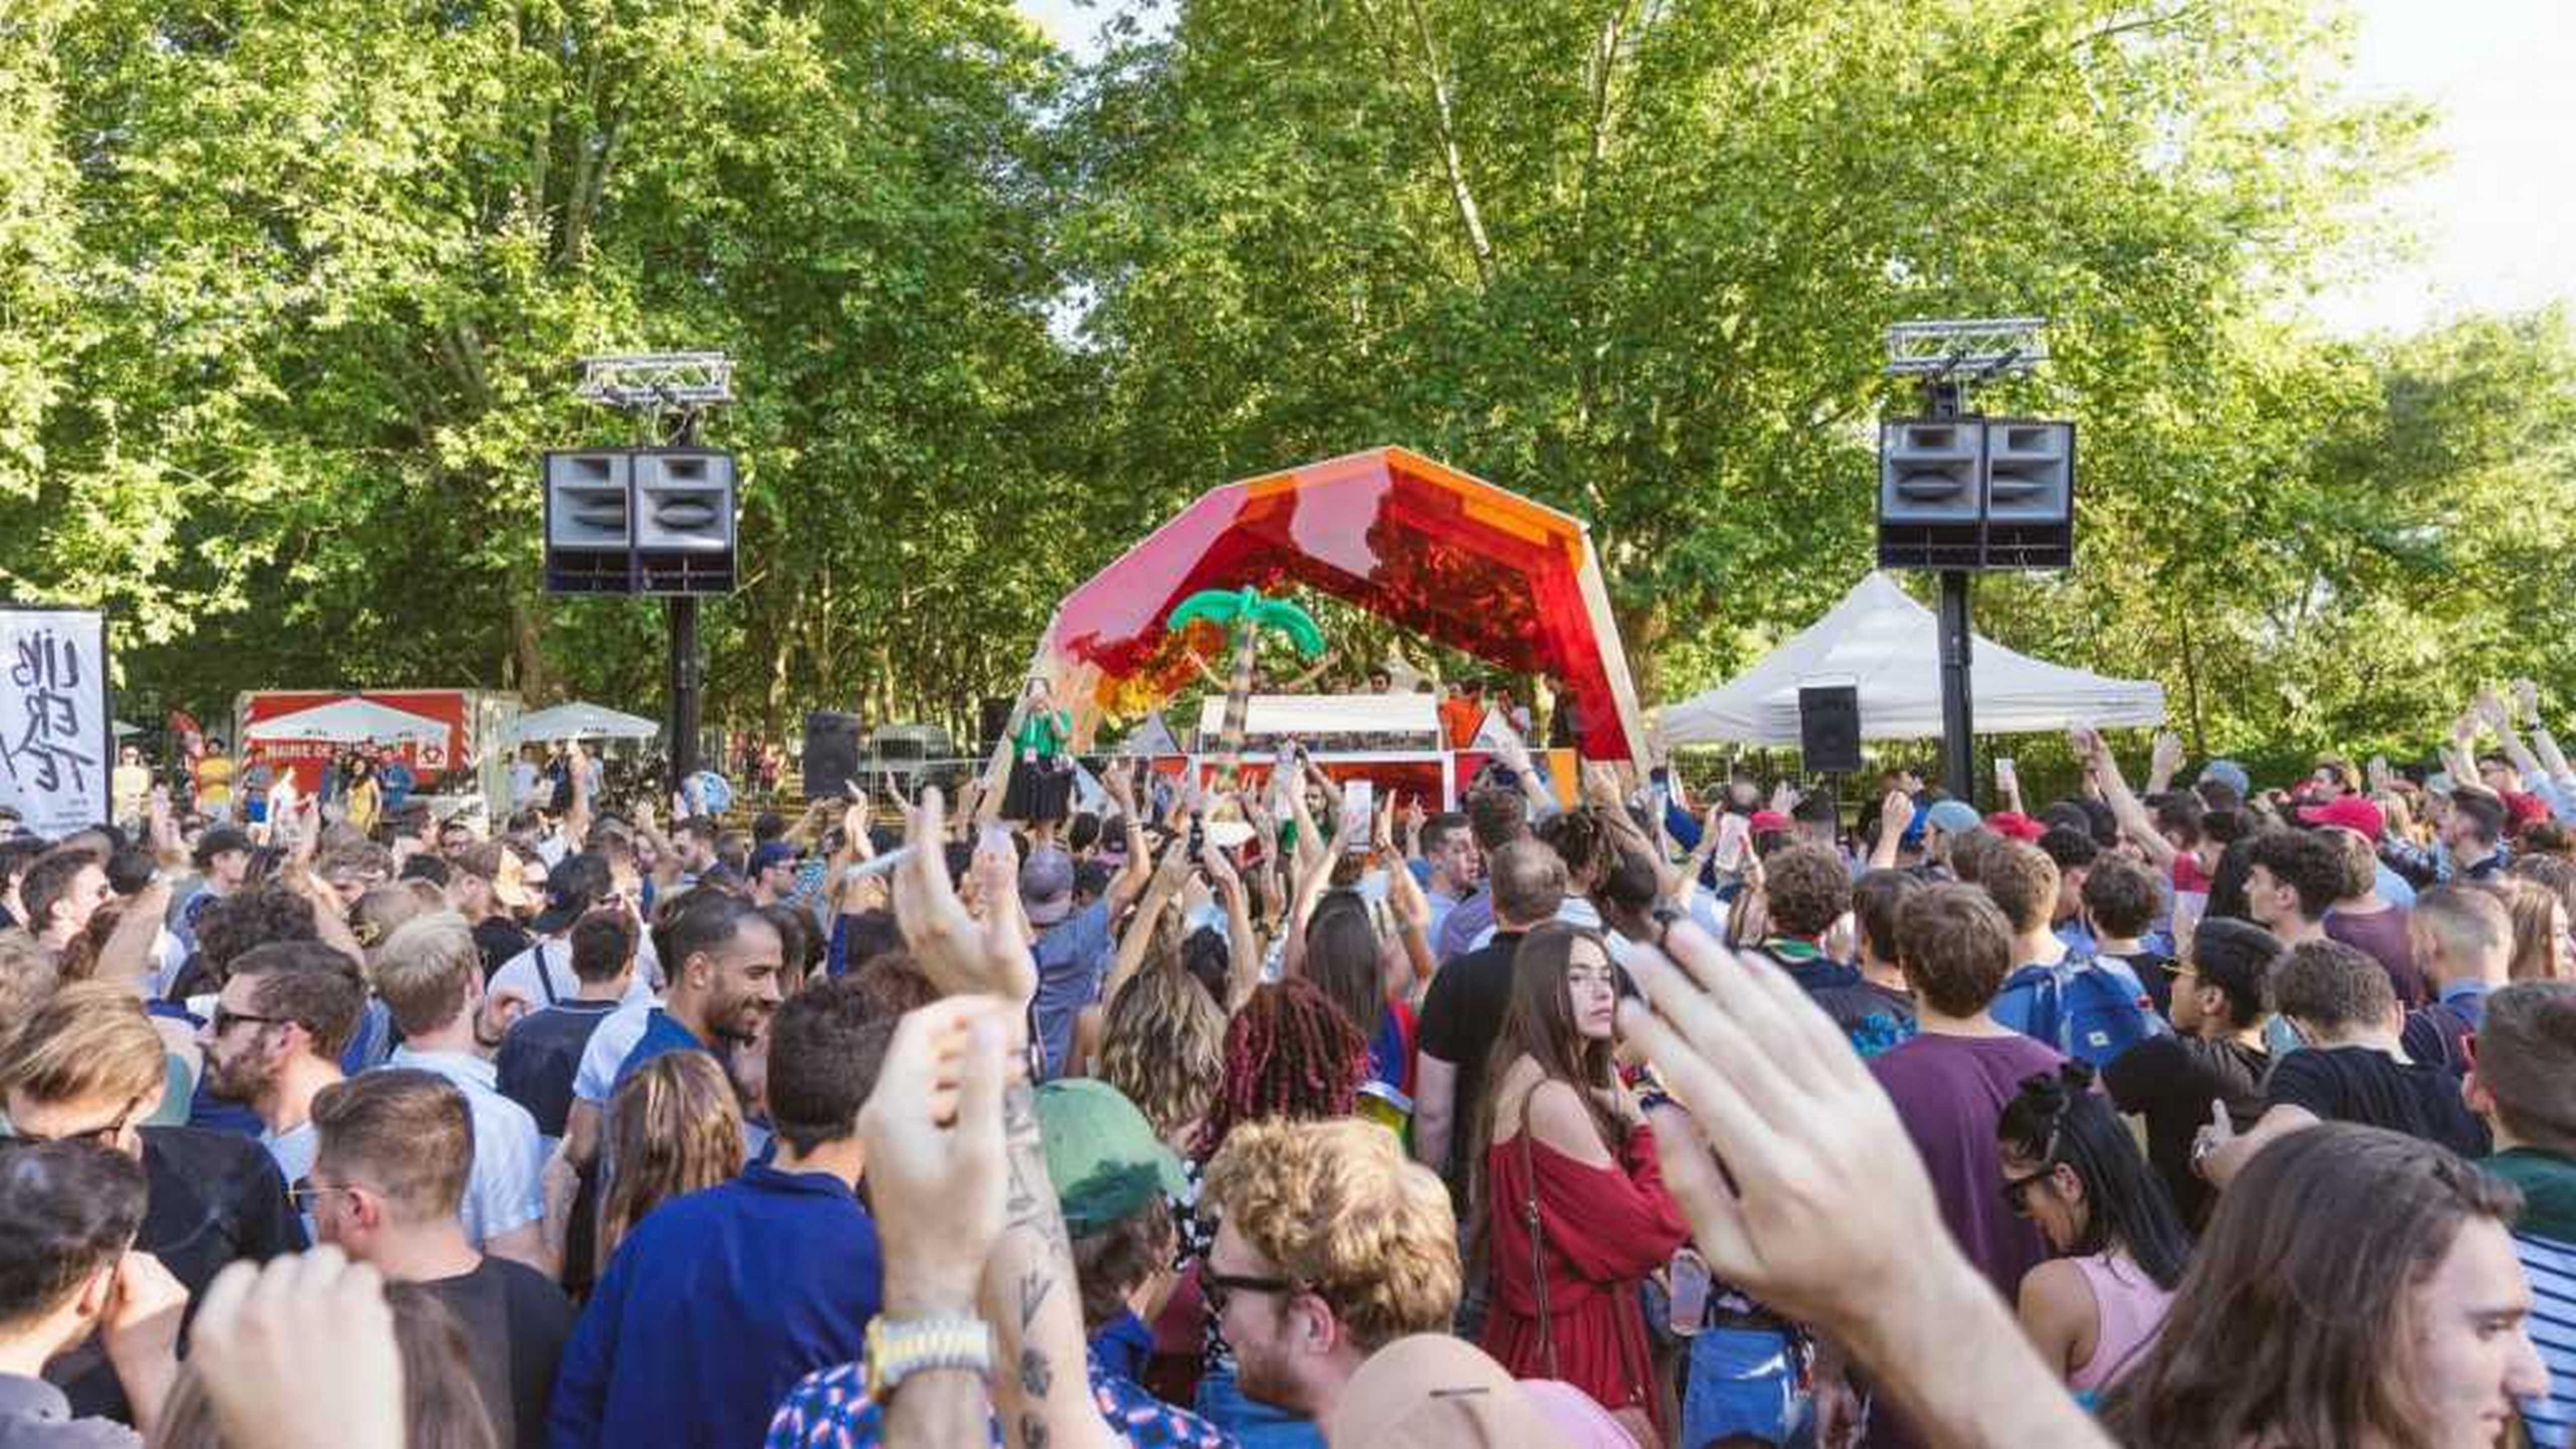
(2551, 1267)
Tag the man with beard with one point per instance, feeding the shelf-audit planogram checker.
(275, 1039)
(431, 975)
(1329, 1246)
(725, 981)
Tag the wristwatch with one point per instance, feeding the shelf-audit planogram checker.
(898, 1350)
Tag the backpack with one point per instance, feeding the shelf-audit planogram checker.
(2085, 1008)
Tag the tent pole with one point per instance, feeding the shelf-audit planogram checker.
(1958, 731)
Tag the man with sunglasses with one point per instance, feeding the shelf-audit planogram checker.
(69, 1272)
(88, 1066)
(275, 1039)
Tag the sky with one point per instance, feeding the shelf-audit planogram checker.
(2495, 220)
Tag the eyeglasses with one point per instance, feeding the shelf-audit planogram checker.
(2017, 1190)
(306, 1192)
(225, 1019)
(1218, 1288)
(101, 1136)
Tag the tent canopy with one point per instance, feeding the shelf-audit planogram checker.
(351, 722)
(1482, 570)
(1881, 640)
(579, 721)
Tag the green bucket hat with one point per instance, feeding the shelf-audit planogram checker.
(1102, 1153)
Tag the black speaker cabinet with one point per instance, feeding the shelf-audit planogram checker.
(831, 752)
(1829, 729)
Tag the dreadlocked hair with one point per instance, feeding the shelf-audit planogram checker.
(1290, 1052)
(1583, 841)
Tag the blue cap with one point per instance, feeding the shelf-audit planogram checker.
(1952, 817)
(2230, 774)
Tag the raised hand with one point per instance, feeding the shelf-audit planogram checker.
(2166, 757)
(2526, 697)
(933, 1133)
(960, 955)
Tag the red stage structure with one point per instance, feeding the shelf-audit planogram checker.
(1449, 556)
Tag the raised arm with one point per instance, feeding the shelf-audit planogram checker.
(2089, 749)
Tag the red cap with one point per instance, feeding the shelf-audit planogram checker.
(2013, 825)
(2525, 810)
(1764, 820)
(2352, 812)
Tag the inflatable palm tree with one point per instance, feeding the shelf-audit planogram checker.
(1247, 614)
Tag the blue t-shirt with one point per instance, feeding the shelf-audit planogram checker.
(714, 1307)
(1072, 958)
(662, 1033)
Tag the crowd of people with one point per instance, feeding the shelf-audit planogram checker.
(1596, 1113)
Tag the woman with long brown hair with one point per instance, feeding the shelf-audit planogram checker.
(673, 1128)
(2357, 1288)
(1571, 1206)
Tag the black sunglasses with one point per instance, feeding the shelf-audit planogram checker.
(225, 1019)
(1216, 1288)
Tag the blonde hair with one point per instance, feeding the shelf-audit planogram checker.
(1339, 1208)
(1162, 1045)
(2533, 908)
(88, 1039)
(673, 1128)
(423, 968)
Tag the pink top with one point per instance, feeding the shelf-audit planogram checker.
(2128, 1307)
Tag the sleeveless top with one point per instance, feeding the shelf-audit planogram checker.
(2128, 1307)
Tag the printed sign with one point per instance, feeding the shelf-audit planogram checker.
(55, 743)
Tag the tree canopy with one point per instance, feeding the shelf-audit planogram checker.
(290, 298)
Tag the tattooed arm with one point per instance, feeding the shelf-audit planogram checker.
(1041, 1368)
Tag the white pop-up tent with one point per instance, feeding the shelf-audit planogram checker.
(581, 721)
(1881, 640)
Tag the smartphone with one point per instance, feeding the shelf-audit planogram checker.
(1734, 832)
(2004, 776)
(1359, 814)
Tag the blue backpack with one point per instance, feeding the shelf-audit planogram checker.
(2086, 1008)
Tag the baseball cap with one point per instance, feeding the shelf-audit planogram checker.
(2230, 774)
(2352, 813)
(2013, 825)
(1765, 821)
(216, 842)
(1101, 1153)
(1952, 817)
(577, 882)
(774, 853)
(1046, 886)
(1437, 1391)
(2525, 809)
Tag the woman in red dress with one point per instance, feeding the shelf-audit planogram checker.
(1575, 1214)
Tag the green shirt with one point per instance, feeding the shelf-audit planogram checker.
(1042, 733)
(2548, 1183)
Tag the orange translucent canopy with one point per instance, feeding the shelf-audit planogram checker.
(1451, 557)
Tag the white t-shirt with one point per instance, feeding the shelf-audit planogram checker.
(610, 1043)
(519, 973)
(523, 782)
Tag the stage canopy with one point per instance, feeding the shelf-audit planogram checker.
(1881, 640)
(1451, 557)
(350, 721)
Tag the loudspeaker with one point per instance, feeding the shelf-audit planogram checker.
(1829, 729)
(831, 753)
(993, 720)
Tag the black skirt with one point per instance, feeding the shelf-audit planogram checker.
(1039, 790)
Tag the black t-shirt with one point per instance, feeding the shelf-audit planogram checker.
(498, 938)
(2366, 1085)
(210, 1197)
(515, 1324)
(2171, 1080)
(542, 1054)
(1462, 1013)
